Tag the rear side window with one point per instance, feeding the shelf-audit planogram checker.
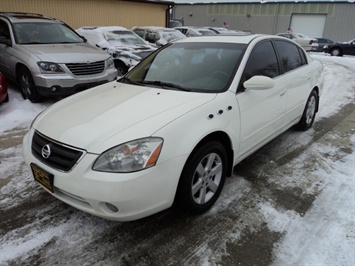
(139, 32)
(262, 62)
(290, 55)
(4, 30)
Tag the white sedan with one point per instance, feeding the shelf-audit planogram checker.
(172, 129)
(306, 42)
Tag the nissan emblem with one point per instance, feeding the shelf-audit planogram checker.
(46, 151)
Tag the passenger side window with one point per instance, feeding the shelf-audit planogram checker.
(262, 62)
(290, 56)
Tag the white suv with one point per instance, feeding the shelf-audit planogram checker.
(48, 58)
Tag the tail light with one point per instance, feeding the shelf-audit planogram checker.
(3, 84)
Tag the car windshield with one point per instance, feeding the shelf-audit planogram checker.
(206, 32)
(172, 35)
(116, 37)
(44, 33)
(197, 67)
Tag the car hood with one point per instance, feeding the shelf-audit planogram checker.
(66, 53)
(114, 113)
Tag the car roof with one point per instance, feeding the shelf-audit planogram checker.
(243, 39)
(158, 28)
(103, 28)
(27, 17)
(188, 27)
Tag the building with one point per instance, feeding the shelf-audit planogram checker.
(78, 13)
(329, 19)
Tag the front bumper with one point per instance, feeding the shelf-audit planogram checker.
(135, 195)
(326, 50)
(64, 84)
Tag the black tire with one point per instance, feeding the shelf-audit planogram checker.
(202, 178)
(27, 85)
(336, 52)
(122, 69)
(309, 112)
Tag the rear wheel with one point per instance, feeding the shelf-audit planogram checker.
(203, 178)
(27, 85)
(309, 112)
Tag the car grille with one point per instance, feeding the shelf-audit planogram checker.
(83, 69)
(61, 157)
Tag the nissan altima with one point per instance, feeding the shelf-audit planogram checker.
(172, 129)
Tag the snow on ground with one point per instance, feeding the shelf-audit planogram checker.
(325, 235)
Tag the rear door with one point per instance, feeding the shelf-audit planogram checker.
(8, 55)
(297, 82)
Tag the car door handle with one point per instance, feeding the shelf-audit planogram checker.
(283, 93)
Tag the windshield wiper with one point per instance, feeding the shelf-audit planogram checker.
(164, 85)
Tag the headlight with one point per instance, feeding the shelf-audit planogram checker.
(130, 157)
(110, 63)
(50, 68)
(325, 46)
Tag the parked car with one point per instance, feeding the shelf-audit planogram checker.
(172, 129)
(194, 31)
(321, 42)
(126, 47)
(158, 36)
(340, 49)
(303, 40)
(48, 58)
(4, 96)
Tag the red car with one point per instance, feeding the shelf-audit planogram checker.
(4, 96)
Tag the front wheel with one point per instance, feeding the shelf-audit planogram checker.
(336, 52)
(27, 85)
(122, 69)
(309, 112)
(202, 178)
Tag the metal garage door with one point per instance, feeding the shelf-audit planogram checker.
(311, 25)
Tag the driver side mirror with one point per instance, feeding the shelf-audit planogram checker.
(259, 83)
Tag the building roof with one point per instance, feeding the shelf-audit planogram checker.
(165, 2)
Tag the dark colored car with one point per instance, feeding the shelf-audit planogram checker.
(4, 96)
(321, 42)
(340, 49)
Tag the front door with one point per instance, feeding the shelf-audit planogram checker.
(261, 111)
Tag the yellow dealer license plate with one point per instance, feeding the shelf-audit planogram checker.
(43, 177)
